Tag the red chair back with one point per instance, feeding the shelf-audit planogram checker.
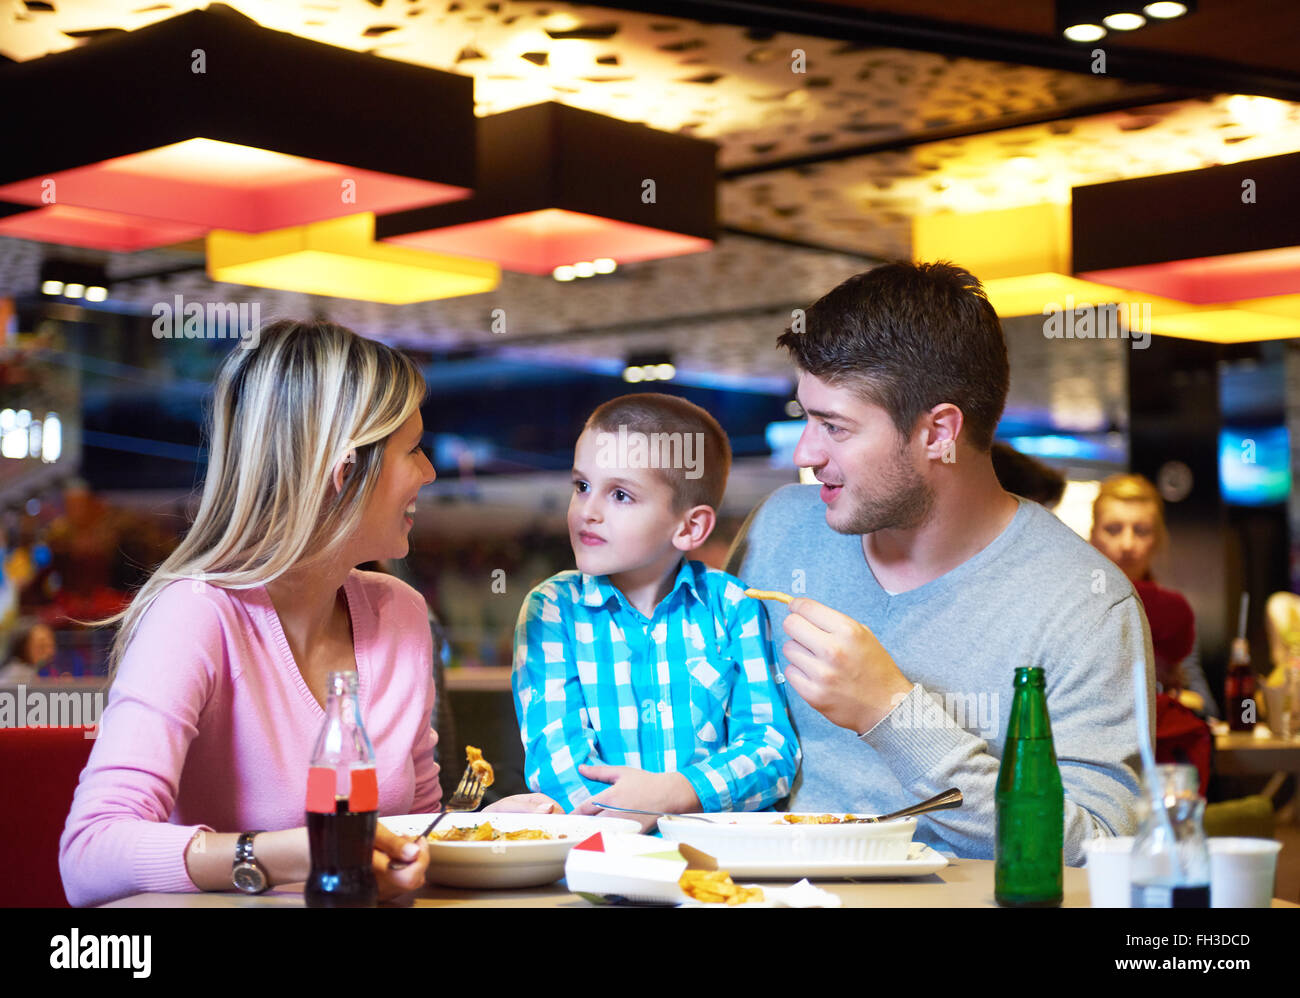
(39, 769)
(1181, 736)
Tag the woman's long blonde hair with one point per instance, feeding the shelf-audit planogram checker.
(284, 413)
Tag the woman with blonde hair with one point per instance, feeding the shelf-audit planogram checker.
(220, 666)
(1128, 526)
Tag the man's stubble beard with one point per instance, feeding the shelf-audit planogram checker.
(905, 503)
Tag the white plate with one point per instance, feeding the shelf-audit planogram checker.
(921, 861)
(528, 863)
(743, 837)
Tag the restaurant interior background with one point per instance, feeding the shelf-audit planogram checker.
(846, 133)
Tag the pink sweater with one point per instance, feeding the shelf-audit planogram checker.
(210, 725)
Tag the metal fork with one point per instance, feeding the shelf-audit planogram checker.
(939, 802)
(661, 814)
(468, 796)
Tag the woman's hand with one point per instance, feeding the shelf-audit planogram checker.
(390, 848)
(532, 803)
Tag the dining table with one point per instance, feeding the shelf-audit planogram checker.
(963, 883)
(1260, 753)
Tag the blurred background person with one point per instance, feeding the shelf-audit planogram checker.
(1282, 685)
(32, 649)
(1021, 475)
(1128, 526)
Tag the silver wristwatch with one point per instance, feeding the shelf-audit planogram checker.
(248, 874)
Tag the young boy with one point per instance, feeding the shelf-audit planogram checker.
(644, 680)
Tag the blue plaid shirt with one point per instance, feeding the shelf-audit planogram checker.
(691, 689)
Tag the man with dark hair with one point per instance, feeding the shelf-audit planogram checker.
(921, 584)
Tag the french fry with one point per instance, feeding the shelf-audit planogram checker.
(769, 594)
(716, 887)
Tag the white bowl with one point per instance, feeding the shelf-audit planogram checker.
(765, 837)
(525, 863)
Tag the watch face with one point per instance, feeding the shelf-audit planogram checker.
(249, 878)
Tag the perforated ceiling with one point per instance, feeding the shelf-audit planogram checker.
(750, 91)
(719, 311)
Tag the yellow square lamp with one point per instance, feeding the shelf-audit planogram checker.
(1049, 292)
(1028, 259)
(992, 245)
(340, 259)
(1227, 325)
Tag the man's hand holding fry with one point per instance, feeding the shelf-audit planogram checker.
(838, 667)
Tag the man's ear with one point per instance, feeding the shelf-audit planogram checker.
(694, 529)
(344, 467)
(943, 427)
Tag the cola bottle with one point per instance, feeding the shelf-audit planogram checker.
(1239, 688)
(342, 805)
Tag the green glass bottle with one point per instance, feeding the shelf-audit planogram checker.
(1030, 803)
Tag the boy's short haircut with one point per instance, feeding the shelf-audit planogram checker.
(655, 413)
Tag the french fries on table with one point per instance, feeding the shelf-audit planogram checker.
(716, 887)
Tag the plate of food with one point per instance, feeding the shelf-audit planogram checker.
(503, 848)
(775, 844)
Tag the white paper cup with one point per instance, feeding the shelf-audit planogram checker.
(1108, 871)
(1242, 872)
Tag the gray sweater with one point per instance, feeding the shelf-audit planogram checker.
(1037, 595)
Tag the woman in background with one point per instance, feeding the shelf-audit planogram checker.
(220, 666)
(1128, 526)
(33, 649)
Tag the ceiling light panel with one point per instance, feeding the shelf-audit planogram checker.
(209, 119)
(760, 95)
